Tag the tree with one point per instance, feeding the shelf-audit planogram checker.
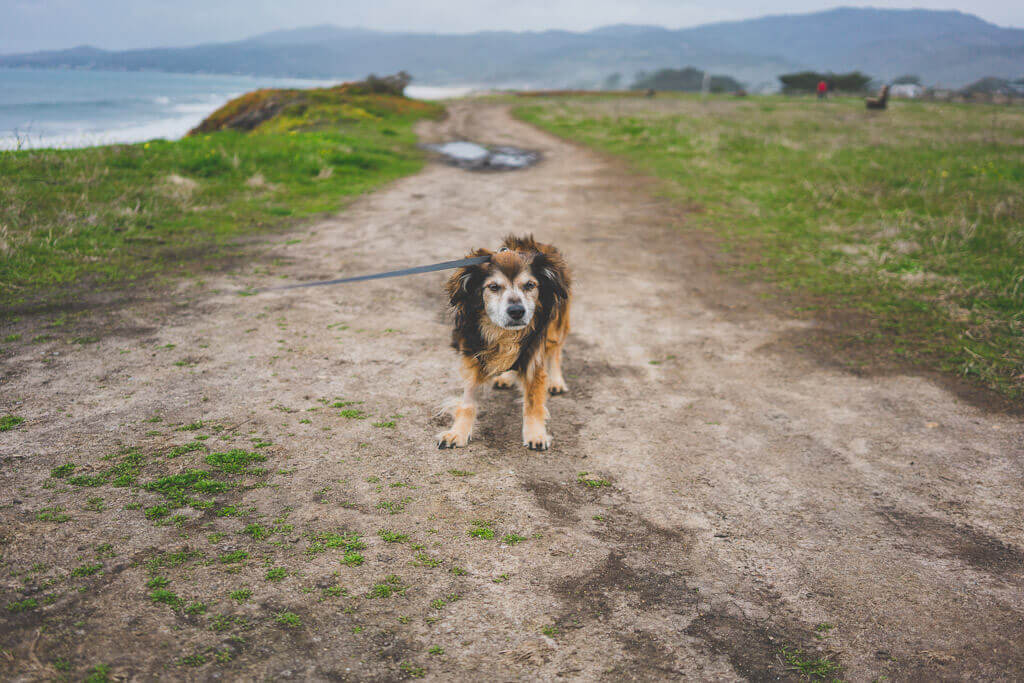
(907, 79)
(685, 80)
(807, 82)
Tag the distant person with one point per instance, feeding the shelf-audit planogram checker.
(822, 89)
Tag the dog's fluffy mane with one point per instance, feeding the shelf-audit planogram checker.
(473, 334)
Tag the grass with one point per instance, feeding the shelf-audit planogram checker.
(9, 422)
(389, 586)
(389, 536)
(288, 619)
(119, 213)
(906, 224)
(592, 482)
(812, 667)
(482, 529)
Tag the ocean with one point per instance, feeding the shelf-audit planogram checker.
(67, 108)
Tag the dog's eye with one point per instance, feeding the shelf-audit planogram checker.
(494, 287)
(528, 286)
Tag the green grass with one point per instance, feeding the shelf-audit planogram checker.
(119, 213)
(906, 224)
(482, 529)
(812, 667)
(9, 422)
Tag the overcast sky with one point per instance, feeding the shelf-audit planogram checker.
(27, 25)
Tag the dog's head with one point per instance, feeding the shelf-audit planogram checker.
(515, 288)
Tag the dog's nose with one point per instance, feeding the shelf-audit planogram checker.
(516, 311)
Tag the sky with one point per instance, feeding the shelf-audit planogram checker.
(29, 25)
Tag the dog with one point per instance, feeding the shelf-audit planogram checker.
(511, 318)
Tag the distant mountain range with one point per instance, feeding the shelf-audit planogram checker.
(943, 48)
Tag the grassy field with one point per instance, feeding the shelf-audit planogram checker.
(119, 213)
(904, 227)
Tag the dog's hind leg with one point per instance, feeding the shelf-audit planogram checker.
(535, 433)
(506, 380)
(465, 412)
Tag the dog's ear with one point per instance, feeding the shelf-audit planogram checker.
(465, 282)
(550, 270)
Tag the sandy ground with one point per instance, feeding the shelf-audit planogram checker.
(759, 501)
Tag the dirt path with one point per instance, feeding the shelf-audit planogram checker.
(759, 502)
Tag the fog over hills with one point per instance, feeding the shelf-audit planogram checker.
(943, 47)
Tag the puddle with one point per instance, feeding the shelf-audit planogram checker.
(474, 157)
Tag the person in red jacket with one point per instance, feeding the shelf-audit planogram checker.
(822, 89)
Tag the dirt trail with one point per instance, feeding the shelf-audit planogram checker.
(755, 495)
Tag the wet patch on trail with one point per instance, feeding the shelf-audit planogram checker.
(473, 157)
(972, 546)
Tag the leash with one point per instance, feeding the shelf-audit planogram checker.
(444, 265)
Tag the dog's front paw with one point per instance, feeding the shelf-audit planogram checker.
(536, 439)
(452, 439)
(557, 386)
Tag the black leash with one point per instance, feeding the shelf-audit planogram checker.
(444, 265)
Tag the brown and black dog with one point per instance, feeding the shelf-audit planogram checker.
(511, 319)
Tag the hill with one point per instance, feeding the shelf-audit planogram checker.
(944, 47)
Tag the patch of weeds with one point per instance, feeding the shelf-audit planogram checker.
(257, 531)
(53, 514)
(230, 511)
(127, 471)
(814, 668)
(216, 537)
(550, 631)
(425, 560)
(458, 571)
(196, 659)
(9, 422)
(389, 536)
(322, 542)
(105, 550)
(22, 605)
(385, 424)
(95, 504)
(233, 557)
(86, 570)
(393, 507)
(276, 574)
(461, 473)
(334, 591)
(435, 650)
(822, 630)
(157, 511)
(191, 427)
(501, 578)
(240, 595)
(438, 603)
(591, 482)
(166, 597)
(352, 559)
(288, 619)
(195, 608)
(158, 582)
(390, 585)
(220, 623)
(62, 470)
(175, 559)
(184, 448)
(88, 480)
(482, 529)
(353, 414)
(98, 674)
(512, 539)
(404, 619)
(234, 461)
(412, 671)
(61, 664)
